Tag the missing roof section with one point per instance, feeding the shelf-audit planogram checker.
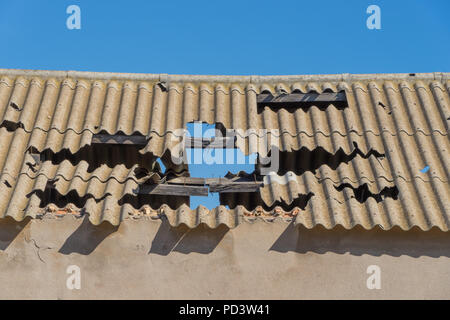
(211, 155)
(295, 100)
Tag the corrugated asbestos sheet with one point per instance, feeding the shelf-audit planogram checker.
(358, 164)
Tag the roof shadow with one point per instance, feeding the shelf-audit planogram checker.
(182, 239)
(87, 237)
(10, 229)
(358, 241)
(167, 238)
(201, 239)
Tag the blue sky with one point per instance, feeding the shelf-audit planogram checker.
(226, 37)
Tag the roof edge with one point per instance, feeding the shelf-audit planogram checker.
(163, 77)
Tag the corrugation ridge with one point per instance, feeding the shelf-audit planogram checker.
(361, 109)
(238, 130)
(361, 179)
(93, 177)
(370, 120)
(433, 105)
(310, 135)
(402, 153)
(120, 94)
(424, 157)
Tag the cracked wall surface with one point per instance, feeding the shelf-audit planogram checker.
(147, 258)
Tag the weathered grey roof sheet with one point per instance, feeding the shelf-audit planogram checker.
(403, 117)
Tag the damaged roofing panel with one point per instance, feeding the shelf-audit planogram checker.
(109, 194)
(401, 156)
(319, 210)
(340, 164)
(331, 201)
(157, 110)
(330, 207)
(29, 183)
(31, 196)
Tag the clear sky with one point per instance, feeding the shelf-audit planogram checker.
(226, 37)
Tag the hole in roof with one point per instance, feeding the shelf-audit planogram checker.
(362, 193)
(252, 200)
(298, 100)
(303, 160)
(52, 196)
(211, 201)
(213, 162)
(161, 165)
(99, 154)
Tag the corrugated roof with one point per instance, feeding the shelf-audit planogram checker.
(64, 114)
(394, 125)
(322, 201)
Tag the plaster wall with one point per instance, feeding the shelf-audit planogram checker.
(148, 259)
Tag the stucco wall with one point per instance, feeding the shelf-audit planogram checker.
(148, 259)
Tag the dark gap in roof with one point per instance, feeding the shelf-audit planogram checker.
(252, 200)
(304, 159)
(386, 108)
(296, 100)
(100, 154)
(11, 125)
(15, 106)
(362, 193)
(305, 106)
(103, 137)
(162, 85)
(52, 196)
(154, 201)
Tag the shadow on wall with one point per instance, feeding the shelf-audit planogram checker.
(10, 230)
(87, 237)
(358, 241)
(184, 240)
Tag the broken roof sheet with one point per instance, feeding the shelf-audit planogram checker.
(394, 125)
(64, 113)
